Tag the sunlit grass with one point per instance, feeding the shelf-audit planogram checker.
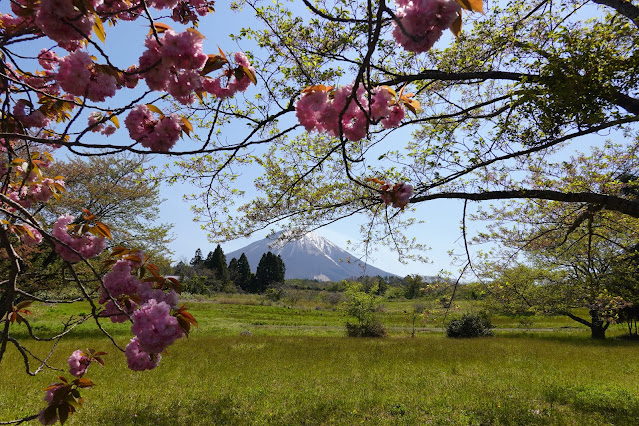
(314, 380)
(297, 368)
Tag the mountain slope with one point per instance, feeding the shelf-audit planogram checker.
(311, 256)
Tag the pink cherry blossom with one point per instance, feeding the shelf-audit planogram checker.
(347, 113)
(423, 22)
(155, 327)
(31, 240)
(61, 21)
(78, 363)
(139, 360)
(87, 245)
(78, 75)
(398, 194)
(157, 134)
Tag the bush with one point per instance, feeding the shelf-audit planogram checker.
(470, 325)
(363, 307)
(368, 329)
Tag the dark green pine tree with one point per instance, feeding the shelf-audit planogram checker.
(198, 260)
(216, 262)
(244, 274)
(270, 270)
(280, 270)
(233, 272)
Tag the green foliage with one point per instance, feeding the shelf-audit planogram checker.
(414, 286)
(363, 307)
(120, 191)
(270, 270)
(470, 325)
(216, 262)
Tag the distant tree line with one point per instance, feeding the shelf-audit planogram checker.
(212, 274)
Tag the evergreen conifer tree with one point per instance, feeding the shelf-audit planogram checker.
(197, 260)
(244, 274)
(216, 262)
(270, 270)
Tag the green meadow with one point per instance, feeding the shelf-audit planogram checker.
(296, 367)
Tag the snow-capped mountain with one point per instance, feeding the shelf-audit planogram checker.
(311, 256)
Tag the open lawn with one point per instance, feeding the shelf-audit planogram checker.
(297, 368)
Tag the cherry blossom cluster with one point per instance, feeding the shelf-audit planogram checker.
(79, 76)
(29, 187)
(423, 22)
(32, 192)
(234, 84)
(176, 63)
(172, 65)
(65, 23)
(30, 236)
(398, 194)
(70, 23)
(32, 118)
(86, 245)
(78, 363)
(320, 108)
(96, 122)
(122, 286)
(158, 134)
(150, 310)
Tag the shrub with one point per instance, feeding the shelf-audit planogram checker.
(470, 325)
(363, 307)
(368, 329)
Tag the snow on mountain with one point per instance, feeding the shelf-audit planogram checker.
(310, 256)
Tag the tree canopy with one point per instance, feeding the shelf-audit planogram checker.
(500, 108)
(270, 271)
(117, 189)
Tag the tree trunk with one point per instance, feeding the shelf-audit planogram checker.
(597, 326)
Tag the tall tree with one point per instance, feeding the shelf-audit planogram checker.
(216, 262)
(118, 189)
(581, 251)
(244, 274)
(233, 271)
(270, 270)
(197, 260)
(529, 80)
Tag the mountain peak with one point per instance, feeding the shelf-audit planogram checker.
(308, 256)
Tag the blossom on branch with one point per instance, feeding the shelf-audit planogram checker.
(321, 107)
(86, 245)
(423, 22)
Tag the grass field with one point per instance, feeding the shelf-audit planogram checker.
(297, 368)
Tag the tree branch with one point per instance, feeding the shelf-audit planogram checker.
(621, 205)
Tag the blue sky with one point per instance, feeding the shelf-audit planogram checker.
(442, 219)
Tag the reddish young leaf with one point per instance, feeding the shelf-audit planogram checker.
(104, 230)
(472, 5)
(250, 74)
(159, 28)
(83, 382)
(155, 109)
(213, 63)
(456, 26)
